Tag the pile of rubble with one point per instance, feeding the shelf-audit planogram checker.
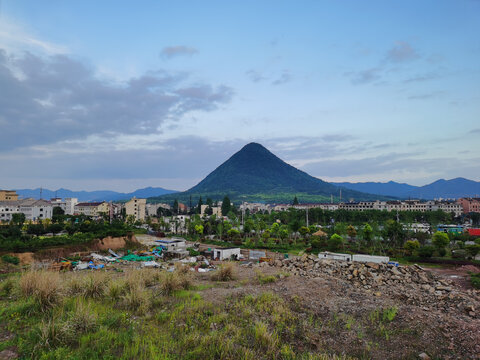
(411, 284)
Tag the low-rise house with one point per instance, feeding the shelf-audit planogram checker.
(227, 253)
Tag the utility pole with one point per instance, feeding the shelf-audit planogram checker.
(243, 212)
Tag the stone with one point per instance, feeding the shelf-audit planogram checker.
(424, 356)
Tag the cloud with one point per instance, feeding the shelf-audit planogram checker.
(284, 78)
(14, 38)
(255, 76)
(365, 76)
(49, 99)
(422, 78)
(401, 52)
(475, 131)
(427, 96)
(174, 51)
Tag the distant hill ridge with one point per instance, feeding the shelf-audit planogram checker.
(454, 188)
(100, 195)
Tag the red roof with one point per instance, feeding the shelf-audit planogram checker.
(474, 232)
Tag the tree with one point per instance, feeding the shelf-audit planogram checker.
(367, 233)
(411, 246)
(440, 240)
(394, 233)
(18, 219)
(335, 242)
(57, 210)
(199, 206)
(226, 206)
(304, 231)
(199, 229)
(175, 207)
(249, 226)
(295, 200)
(351, 231)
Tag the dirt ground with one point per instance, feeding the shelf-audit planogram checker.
(459, 275)
(344, 312)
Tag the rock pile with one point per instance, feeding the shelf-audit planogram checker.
(411, 284)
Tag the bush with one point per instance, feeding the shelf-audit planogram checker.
(475, 280)
(10, 259)
(426, 251)
(442, 252)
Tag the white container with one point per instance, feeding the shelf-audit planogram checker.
(371, 258)
(334, 256)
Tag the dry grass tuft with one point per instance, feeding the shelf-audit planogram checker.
(182, 268)
(82, 319)
(95, 284)
(170, 282)
(226, 272)
(43, 286)
(137, 299)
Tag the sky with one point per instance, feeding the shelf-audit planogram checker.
(122, 95)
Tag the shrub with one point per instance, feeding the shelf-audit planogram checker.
(475, 280)
(426, 251)
(10, 259)
(6, 287)
(225, 272)
(442, 252)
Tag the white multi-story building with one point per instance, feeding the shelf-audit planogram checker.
(34, 210)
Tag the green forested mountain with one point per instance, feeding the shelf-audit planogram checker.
(255, 174)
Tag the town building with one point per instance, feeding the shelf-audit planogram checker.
(93, 209)
(152, 209)
(136, 207)
(8, 195)
(469, 205)
(34, 210)
(216, 210)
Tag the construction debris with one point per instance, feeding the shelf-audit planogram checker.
(410, 283)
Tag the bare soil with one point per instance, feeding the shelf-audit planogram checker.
(459, 275)
(344, 313)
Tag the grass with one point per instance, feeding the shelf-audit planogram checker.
(151, 314)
